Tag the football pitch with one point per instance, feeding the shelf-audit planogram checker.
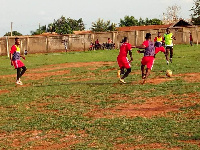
(74, 100)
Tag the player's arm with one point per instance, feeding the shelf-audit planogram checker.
(173, 37)
(130, 54)
(23, 57)
(141, 47)
(11, 55)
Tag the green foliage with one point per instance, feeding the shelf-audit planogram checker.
(196, 12)
(131, 21)
(102, 26)
(62, 26)
(39, 31)
(14, 33)
(128, 21)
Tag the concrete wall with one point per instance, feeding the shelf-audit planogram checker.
(81, 42)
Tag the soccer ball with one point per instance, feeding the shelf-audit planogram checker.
(169, 73)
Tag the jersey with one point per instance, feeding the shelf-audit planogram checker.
(149, 48)
(125, 47)
(158, 41)
(168, 39)
(15, 50)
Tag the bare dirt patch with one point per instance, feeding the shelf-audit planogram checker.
(3, 91)
(38, 76)
(156, 106)
(144, 146)
(191, 77)
(41, 140)
(91, 65)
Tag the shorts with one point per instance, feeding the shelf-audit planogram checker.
(17, 64)
(149, 61)
(123, 62)
(169, 47)
(159, 49)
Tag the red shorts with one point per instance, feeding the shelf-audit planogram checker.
(149, 61)
(123, 62)
(18, 64)
(159, 49)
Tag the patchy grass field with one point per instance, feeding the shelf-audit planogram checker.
(74, 101)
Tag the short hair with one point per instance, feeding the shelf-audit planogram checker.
(125, 39)
(148, 35)
(16, 38)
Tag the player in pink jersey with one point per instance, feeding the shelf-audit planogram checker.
(149, 55)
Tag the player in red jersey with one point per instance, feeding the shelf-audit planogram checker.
(149, 55)
(123, 61)
(16, 62)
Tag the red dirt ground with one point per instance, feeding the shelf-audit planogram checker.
(156, 106)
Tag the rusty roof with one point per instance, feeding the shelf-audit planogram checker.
(149, 27)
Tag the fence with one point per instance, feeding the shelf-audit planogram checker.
(81, 42)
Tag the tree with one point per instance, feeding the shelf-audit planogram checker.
(196, 12)
(172, 14)
(62, 26)
(41, 30)
(102, 26)
(14, 33)
(128, 21)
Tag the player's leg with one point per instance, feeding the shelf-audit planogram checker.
(143, 71)
(18, 82)
(18, 73)
(23, 71)
(171, 54)
(126, 65)
(126, 73)
(167, 54)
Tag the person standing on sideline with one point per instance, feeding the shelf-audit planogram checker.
(168, 37)
(123, 61)
(16, 62)
(149, 55)
(191, 39)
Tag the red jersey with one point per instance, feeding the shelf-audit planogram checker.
(125, 47)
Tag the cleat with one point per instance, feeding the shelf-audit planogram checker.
(167, 62)
(144, 81)
(19, 82)
(122, 80)
(118, 73)
(143, 76)
(170, 60)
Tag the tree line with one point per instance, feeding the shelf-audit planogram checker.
(65, 25)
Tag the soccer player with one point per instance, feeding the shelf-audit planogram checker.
(123, 61)
(158, 40)
(149, 55)
(168, 37)
(16, 62)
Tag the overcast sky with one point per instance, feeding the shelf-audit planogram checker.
(27, 14)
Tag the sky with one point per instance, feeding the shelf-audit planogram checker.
(26, 15)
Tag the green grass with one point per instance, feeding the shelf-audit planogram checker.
(60, 103)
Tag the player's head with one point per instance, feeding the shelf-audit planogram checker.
(168, 30)
(125, 39)
(17, 41)
(148, 36)
(159, 33)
